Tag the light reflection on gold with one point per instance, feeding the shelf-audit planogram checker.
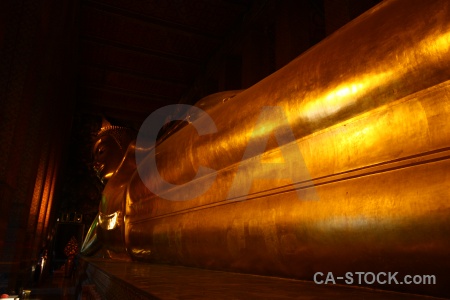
(435, 46)
(344, 95)
(345, 223)
(108, 222)
(108, 175)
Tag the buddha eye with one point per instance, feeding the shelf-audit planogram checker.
(100, 150)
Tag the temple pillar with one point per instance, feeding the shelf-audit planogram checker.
(37, 92)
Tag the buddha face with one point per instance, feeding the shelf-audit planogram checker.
(107, 157)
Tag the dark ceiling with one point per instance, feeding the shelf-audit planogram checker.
(137, 56)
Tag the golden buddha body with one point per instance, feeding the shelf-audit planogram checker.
(369, 110)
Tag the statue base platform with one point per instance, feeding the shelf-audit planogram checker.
(110, 279)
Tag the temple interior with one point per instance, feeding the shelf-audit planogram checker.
(67, 67)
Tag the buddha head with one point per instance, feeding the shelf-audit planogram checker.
(111, 143)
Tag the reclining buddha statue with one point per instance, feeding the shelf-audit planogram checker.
(338, 162)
